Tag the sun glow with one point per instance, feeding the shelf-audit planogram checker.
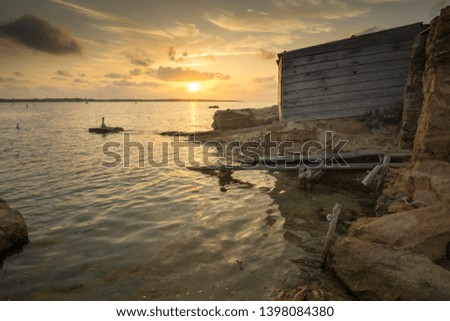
(193, 87)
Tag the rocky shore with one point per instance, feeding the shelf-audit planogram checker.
(13, 230)
(401, 252)
(404, 256)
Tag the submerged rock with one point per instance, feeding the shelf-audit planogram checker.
(13, 230)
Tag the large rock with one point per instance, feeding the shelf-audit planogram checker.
(413, 97)
(244, 118)
(393, 257)
(13, 230)
(375, 272)
(425, 230)
(433, 134)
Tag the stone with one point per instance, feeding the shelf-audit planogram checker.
(399, 207)
(13, 230)
(425, 230)
(244, 118)
(433, 133)
(413, 97)
(374, 272)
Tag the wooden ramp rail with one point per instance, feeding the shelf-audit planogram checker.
(297, 157)
(285, 167)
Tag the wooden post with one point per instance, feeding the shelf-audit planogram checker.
(329, 240)
(374, 172)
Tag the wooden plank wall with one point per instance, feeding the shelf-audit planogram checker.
(345, 78)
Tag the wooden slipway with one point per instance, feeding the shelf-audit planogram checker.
(282, 163)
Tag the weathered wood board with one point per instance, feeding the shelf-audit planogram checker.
(345, 78)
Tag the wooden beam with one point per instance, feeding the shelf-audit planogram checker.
(345, 155)
(285, 167)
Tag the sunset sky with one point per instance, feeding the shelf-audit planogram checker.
(176, 48)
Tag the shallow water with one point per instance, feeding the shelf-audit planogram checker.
(135, 233)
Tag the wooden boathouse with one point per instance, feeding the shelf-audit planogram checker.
(345, 78)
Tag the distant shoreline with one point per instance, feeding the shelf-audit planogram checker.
(76, 100)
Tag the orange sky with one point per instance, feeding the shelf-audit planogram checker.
(174, 49)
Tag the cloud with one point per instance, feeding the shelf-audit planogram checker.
(186, 74)
(116, 76)
(126, 83)
(250, 22)
(135, 71)
(184, 30)
(80, 81)
(264, 80)
(18, 73)
(328, 9)
(173, 55)
(378, 1)
(188, 32)
(266, 54)
(139, 58)
(88, 12)
(64, 73)
(38, 34)
(7, 80)
(125, 30)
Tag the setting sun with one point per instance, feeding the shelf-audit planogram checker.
(193, 86)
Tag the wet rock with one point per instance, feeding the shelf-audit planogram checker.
(13, 230)
(375, 272)
(425, 230)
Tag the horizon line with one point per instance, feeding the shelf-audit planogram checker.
(9, 100)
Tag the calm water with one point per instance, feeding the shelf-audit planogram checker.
(145, 233)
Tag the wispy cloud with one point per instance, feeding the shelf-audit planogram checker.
(264, 80)
(266, 54)
(116, 75)
(139, 58)
(64, 73)
(135, 72)
(7, 80)
(174, 56)
(38, 34)
(88, 12)
(126, 83)
(187, 32)
(136, 30)
(327, 9)
(186, 74)
(249, 22)
(183, 30)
